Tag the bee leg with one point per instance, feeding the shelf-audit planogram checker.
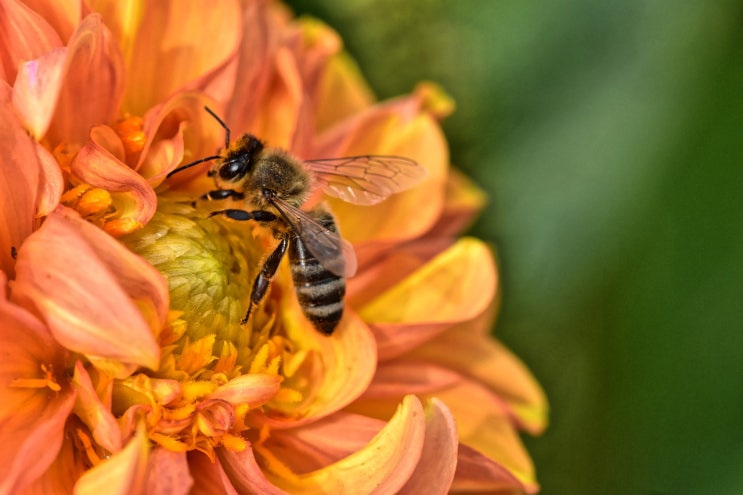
(218, 194)
(268, 270)
(242, 215)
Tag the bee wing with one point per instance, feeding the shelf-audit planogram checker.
(331, 250)
(367, 179)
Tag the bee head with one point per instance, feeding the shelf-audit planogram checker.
(238, 160)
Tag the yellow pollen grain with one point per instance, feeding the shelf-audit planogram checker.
(131, 134)
(234, 443)
(94, 201)
(286, 394)
(193, 390)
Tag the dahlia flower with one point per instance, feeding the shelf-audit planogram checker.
(125, 366)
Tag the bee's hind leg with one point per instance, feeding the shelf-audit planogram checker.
(268, 270)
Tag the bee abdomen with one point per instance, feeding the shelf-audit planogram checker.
(319, 291)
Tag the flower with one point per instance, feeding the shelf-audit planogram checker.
(126, 364)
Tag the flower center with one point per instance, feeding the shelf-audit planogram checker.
(210, 265)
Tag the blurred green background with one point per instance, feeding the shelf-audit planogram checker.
(609, 136)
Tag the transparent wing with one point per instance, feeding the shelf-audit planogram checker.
(368, 179)
(333, 252)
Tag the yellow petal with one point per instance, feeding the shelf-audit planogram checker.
(455, 286)
(93, 413)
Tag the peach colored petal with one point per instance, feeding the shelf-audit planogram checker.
(253, 389)
(181, 123)
(20, 169)
(37, 88)
(488, 429)
(97, 166)
(477, 473)
(82, 282)
(61, 474)
(123, 473)
(398, 377)
(435, 470)
(168, 473)
(165, 55)
(93, 413)
(31, 419)
(64, 15)
(455, 286)
(243, 473)
(383, 466)
(24, 35)
(318, 444)
(490, 363)
(348, 360)
(51, 184)
(93, 84)
(208, 477)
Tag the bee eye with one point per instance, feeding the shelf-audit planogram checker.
(232, 170)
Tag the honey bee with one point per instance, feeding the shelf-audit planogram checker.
(274, 186)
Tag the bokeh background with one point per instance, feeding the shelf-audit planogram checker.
(609, 137)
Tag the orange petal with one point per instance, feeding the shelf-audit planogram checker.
(490, 363)
(93, 413)
(121, 474)
(253, 389)
(164, 55)
(244, 474)
(488, 428)
(399, 377)
(96, 166)
(453, 287)
(343, 93)
(435, 470)
(32, 419)
(209, 478)
(61, 475)
(24, 35)
(21, 170)
(93, 83)
(82, 282)
(383, 466)
(477, 473)
(64, 15)
(464, 200)
(168, 473)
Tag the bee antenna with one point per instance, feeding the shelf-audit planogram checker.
(224, 126)
(189, 165)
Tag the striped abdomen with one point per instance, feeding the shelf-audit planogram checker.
(320, 292)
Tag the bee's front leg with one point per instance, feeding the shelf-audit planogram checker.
(218, 194)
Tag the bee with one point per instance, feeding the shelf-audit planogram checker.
(274, 186)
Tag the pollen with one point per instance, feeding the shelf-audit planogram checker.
(130, 131)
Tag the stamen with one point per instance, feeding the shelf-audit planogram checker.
(48, 381)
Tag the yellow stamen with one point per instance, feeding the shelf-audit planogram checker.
(87, 445)
(48, 380)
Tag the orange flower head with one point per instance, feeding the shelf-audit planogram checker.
(129, 362)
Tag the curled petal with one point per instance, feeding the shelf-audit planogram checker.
(93, 413)
(122, 474)
(21, 172)
(413, 377)
(244, 474)
(24, 35)
(253, 389)
(383, 466)
(208, 477)
(97, 166)
(51, 184)
(435, 470)
(455, 286)
(82, 281)
(168, 473)
(64, 15)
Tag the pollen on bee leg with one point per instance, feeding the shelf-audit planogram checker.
(48, 380)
